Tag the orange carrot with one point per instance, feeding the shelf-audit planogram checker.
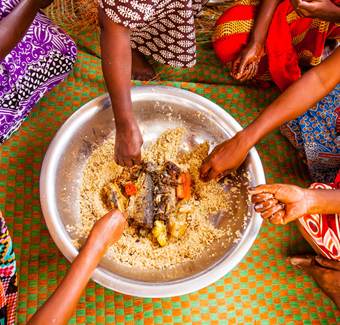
(130, 189)
(183, 190)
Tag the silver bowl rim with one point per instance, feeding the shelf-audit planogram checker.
(136, 288)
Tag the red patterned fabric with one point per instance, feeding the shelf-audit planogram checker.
(289, 39)
(324, 229)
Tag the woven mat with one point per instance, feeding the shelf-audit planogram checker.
(262, 289)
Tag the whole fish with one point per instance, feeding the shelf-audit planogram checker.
(140, 209)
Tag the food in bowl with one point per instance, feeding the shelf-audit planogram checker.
(166, 202)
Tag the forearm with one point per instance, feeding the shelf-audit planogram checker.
(59, 307)
(263, 19)
(116, 63)
(321, 201)
(14, 26)
(296, 100)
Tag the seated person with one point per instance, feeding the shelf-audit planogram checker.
(317, 214)
(309, 114)
(35, 56)
(268, 40)
(162, 29)
(60, 305)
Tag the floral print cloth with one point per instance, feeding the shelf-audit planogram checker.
(316, 134)
(41, 60)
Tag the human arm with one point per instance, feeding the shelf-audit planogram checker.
(323, 9)
(314, 85)
(282, 203)
(116, 62)
(15, 25)
(59, 307)
(245, 66)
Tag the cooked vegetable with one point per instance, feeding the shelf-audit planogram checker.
(183, 190)
(159, 232)
(130, 189)
(115, 198)
(177, 225)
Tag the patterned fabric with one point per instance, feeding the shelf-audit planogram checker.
(324, 229)
(8, 277)
(316, 135)
(163, 29)
(38, 63)
(289, 39)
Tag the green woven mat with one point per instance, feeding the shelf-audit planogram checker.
(262, 289)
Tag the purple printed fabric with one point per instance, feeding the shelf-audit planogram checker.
(43, 58)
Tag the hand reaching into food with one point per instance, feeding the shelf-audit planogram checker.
(59, 307)
(280, 203)
(246, 65)
(106, 231)
(225, 158)
(128, 145)
(323, 9)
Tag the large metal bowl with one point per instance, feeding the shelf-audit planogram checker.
(87, 128)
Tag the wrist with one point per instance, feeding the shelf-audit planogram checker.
(312, 201)
(257, 39)
(246, 137)
(94, 250)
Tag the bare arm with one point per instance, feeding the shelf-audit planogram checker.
(59, 307)
(14, 26)
(116, 62)
(295, 101)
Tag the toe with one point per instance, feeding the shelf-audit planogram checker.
(302, 261)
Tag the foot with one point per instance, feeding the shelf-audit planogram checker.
(141, 68)
(325, 272)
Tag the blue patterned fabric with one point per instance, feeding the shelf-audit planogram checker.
(316, 134)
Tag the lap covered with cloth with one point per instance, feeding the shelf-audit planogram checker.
(324, 229)
(316, 134)
(162, 29)
(39, 62)
(289, 39)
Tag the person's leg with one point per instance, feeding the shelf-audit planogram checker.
(308, 238)
(325, 272)
(141, 68)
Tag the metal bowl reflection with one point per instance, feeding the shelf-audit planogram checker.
(87, 128)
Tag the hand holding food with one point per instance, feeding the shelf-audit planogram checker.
(166, 202)
(323, 9)
(106, 231)
(246, 65)
(128, 144)
(224, 159)
(280, 203)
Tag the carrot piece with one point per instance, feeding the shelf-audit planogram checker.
(130, 189)
(183, 190)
